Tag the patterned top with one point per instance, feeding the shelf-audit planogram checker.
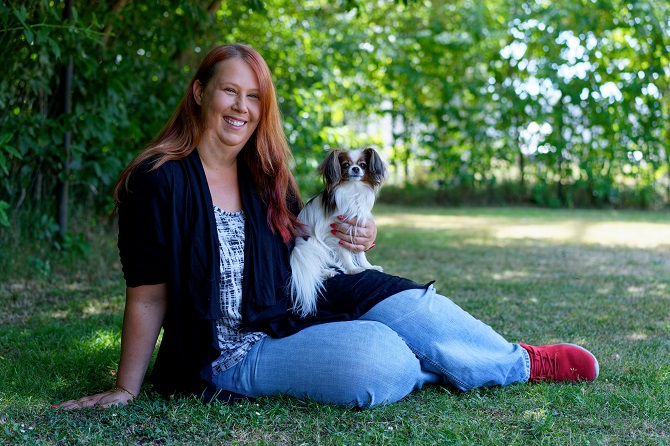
(234, 342)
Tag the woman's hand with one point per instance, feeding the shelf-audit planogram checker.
(145, 310)
(354, 237)
(106, 399)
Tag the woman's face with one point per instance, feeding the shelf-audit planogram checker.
(230, 104)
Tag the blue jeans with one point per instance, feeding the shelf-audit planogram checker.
(413, 338)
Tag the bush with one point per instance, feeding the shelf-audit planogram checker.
(575, 195)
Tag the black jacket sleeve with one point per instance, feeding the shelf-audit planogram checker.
(143, 235)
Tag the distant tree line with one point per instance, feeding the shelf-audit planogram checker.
(559, 103)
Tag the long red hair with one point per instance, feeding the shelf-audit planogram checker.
(266, 154)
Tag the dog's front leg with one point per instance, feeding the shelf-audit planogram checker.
(363, 261)
(347, 260)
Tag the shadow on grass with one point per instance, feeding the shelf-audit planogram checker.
(59, 339)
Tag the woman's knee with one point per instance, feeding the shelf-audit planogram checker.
(380, 369)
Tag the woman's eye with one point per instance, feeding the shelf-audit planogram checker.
(229, 90)
(253, 96)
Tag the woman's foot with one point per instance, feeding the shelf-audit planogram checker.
(561, 362)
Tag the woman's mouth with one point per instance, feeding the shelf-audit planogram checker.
(234, 122)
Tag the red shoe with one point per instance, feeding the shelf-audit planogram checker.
(561, 362)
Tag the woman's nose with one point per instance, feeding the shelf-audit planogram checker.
(241, 104)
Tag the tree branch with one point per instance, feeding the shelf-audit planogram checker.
(120, 4)
(213, 6)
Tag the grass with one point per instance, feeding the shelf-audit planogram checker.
(597, 278)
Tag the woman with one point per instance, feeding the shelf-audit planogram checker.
(206, 219)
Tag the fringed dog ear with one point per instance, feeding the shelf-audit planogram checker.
(330, 169)
(376, 166)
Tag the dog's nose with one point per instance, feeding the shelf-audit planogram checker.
(355, 169)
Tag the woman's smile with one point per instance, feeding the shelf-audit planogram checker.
(234, 122)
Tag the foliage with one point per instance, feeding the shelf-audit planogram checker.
(597, 278)
(459, 95)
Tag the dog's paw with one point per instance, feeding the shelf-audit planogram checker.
(328, 273)
(355, 270)
(376, 268)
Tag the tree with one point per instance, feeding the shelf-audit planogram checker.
(568, 99)
(119, 98)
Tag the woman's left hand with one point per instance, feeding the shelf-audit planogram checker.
(354, 237)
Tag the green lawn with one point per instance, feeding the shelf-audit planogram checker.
(597, 278)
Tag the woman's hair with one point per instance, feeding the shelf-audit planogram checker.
(266, 154)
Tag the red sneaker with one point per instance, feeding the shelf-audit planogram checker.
(561, 362)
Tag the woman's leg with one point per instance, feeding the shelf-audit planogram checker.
(353, 363)
(450, 342)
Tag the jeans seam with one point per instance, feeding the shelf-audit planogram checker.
(449, 377)
(390, 318)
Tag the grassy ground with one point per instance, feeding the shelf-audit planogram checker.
(600, 279)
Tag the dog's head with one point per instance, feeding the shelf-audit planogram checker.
(341, 166)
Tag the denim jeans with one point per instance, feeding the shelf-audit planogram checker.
(411, 339)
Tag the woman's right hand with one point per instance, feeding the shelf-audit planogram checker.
(106, 399)
(146, 306)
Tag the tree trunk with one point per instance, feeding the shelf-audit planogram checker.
(522, 167)
(516, 135)
(66, 92)
(118, 6)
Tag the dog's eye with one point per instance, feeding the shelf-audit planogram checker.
(363, 166)
(346, 165)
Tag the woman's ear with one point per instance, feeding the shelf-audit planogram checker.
(197, 92)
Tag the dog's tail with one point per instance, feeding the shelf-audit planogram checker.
(308, 260)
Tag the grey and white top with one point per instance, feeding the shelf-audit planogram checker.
(234, 342)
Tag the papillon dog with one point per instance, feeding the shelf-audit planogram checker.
(351, 182)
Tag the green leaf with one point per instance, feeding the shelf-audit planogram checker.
(12, 151)
(21, 14)
(4, 218)
(29, 35)
(3, 164)
(54, 47)
(53, 11)
(41, 35)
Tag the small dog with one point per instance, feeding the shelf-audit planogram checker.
(351, 182)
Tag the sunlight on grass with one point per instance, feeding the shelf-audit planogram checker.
(563, 228)
(101, 340)
(637, 337)
(92, 308)
(506, 275)
(540, 414)
(634, 235)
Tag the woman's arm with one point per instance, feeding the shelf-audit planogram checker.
(353, 237)
(142, 320)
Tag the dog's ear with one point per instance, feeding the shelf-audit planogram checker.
(330, 169)
(376, 166)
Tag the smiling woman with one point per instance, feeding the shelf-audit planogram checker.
(231, 109)
(221, 162)
(207, 221)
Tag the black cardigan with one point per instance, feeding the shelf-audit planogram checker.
(167, 234)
